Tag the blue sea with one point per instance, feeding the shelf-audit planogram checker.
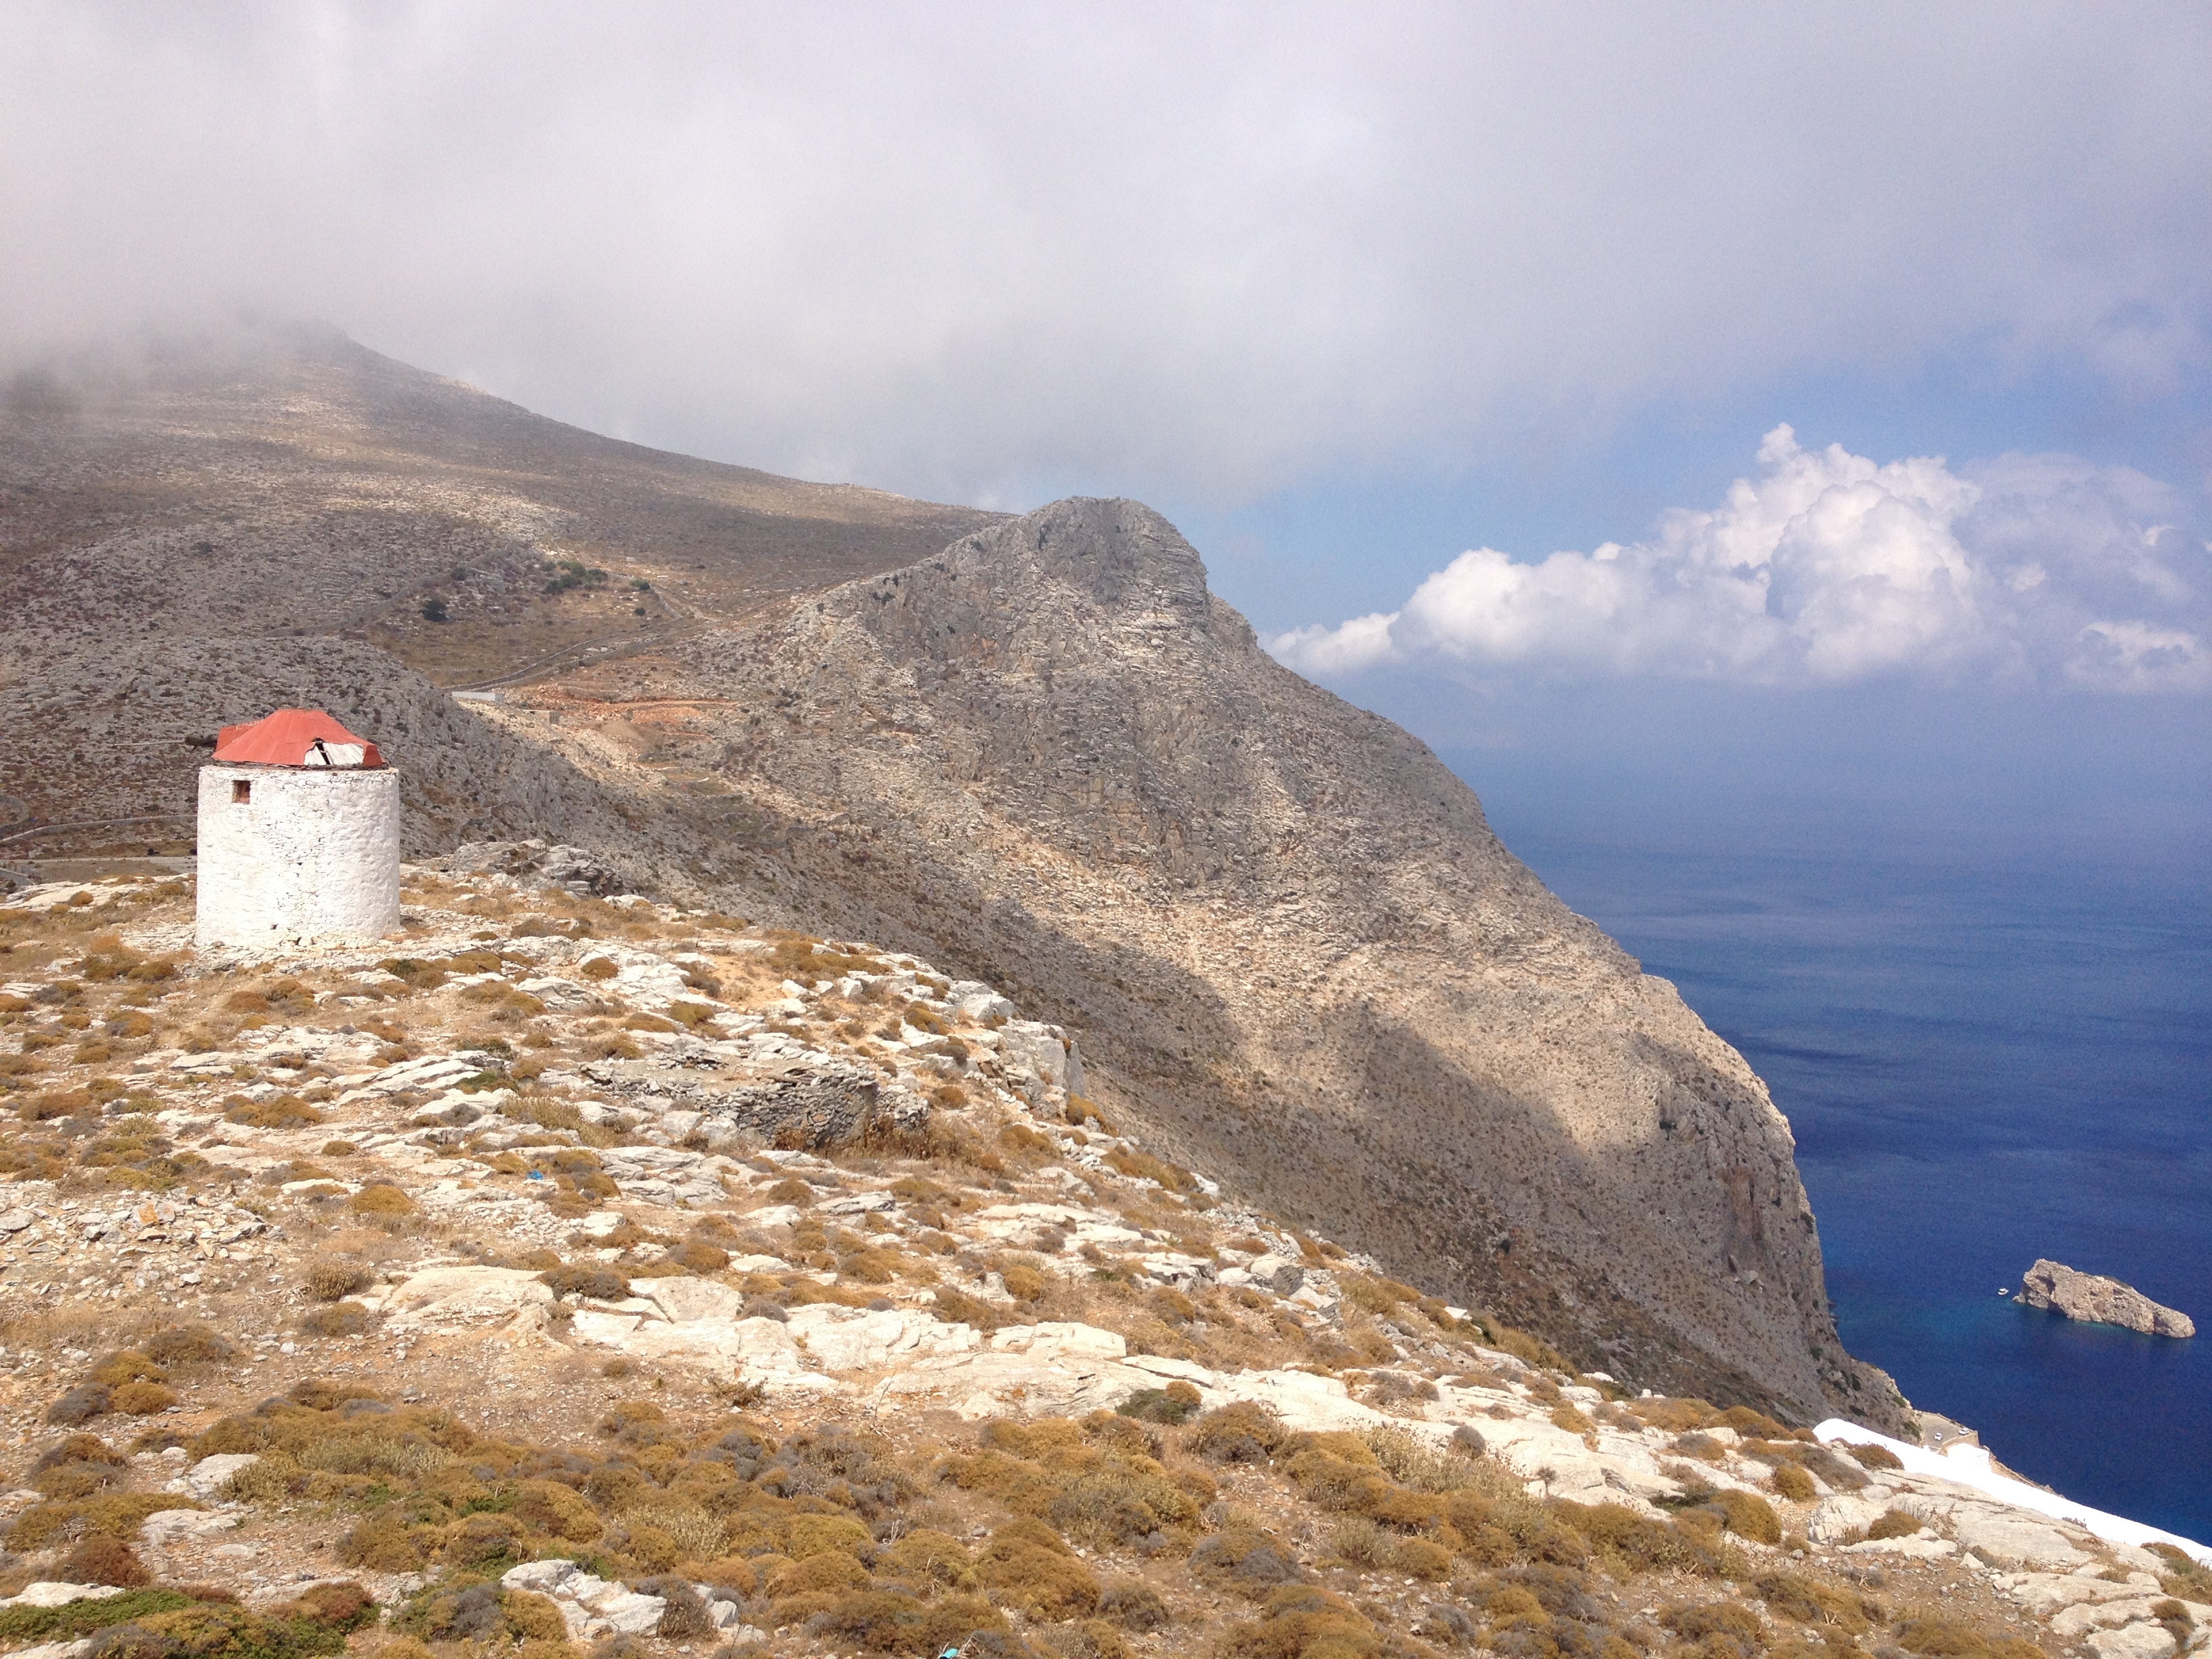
(1991, 1046)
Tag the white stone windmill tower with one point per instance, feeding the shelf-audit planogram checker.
(299, 836)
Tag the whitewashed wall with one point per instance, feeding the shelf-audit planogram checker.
(312, 858)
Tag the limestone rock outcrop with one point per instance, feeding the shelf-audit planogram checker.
(2096, 1299)
(1278, 934)
(1295, 952)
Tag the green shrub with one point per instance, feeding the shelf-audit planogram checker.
(76, 1619)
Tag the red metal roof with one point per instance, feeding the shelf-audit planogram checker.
(288, 737)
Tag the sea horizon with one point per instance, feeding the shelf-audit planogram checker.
(1992, 1045)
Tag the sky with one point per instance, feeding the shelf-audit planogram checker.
(1820, 393)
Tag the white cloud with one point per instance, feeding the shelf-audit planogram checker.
(979, 250)
(1826, 569)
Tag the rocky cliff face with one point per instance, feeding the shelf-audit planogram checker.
(1296, 953)
(1046, 756)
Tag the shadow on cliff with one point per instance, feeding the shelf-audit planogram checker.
(1165, 1053)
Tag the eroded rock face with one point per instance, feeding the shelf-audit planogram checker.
(1044, 755)
(2096, 1299)
(1298, 956)
(571, 868)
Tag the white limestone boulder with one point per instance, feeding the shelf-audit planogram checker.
(207, 1478)
(466, 1295)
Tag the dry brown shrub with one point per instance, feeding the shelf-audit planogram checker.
(1032, 1569)
(1894, 1523)
(114, 1515)
(1792, 1482)
(331, 1279)
(2180, 1575)
(1301, 1622)
(956, 1307)
(128, 1365)
(380, 1198)
(1943, 1638)
(143, 1399)
(1424, 1465)
(1134, 1605)
(885, 1621)
(382, 1543)
(99, 1559)
(1117, 1506)
(188, 1344)
(698, 1256)
(44, 1108)
(1244, 1432)
(827, 1570)
(1874, 1457)
(1811, 1602)
(282, 1112)
(534, 1618)
(337, 1319)
(82, 1404)
(1143, 1166)
(1717, 1629)
(1635, 1542)
(933, 1557)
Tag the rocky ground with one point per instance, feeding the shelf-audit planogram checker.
(579, 1272)
(1038, 752)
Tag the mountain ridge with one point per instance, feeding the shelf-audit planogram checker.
(1038, 749)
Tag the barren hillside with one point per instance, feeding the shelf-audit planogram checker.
(1048, 757)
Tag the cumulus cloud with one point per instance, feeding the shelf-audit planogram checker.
(1827, 567)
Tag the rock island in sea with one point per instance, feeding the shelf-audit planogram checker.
(2094, 1298)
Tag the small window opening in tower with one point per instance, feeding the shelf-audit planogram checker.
(241, 792)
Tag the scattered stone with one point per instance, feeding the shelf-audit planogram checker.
(582, 873)
(592, 1607)
(165, 1527)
